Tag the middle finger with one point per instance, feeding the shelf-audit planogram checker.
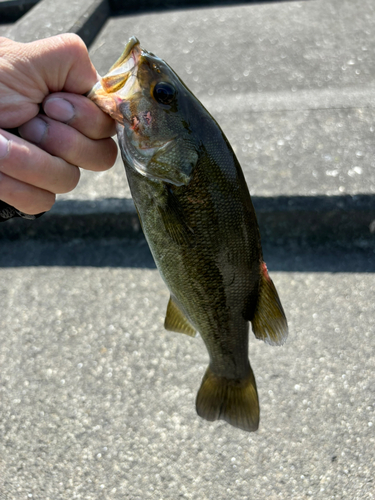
(65, 142)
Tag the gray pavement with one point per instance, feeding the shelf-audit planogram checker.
(97, 399)
(48, 18)
(3, 29)
(291, 84)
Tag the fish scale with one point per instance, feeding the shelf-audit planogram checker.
(199, 221)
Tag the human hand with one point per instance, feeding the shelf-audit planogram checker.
(73, 132)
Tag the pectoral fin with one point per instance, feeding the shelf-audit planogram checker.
(174, 220)
(269, 322)
(176, 321)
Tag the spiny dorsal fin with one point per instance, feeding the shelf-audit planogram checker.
(175, 320)
(269, 322)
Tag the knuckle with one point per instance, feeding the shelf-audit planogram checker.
(72, 40)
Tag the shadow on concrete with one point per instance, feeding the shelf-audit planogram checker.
(120, 8)
(134, 253)
(12, 10)
(307, 220)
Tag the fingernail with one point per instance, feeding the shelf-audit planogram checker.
(4, 147)
(34, 130)
(59, 109)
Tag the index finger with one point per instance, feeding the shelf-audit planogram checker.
(63, 63)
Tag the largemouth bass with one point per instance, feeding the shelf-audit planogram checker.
(198, 218)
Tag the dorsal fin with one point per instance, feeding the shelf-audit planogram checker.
(269, 322)
(176, 321)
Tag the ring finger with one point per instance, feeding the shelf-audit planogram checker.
(24, 197)
(31, 165)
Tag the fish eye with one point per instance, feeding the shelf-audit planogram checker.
(164, 92)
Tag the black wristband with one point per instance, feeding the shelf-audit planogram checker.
(8, 212)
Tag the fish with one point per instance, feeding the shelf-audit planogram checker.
(198, 218)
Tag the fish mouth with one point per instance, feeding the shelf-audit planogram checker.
(113, 93)
(128, 58)
(120, 82)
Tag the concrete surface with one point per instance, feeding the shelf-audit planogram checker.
(3, 29)
(290, 83)
(48, 17)
(97, 399)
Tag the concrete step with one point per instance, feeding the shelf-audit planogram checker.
(290, 83)
(48, 18)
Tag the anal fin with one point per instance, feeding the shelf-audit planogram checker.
(269, 322)
(176, 321)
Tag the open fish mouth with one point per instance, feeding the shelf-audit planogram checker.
(120, 82)
(113, 94)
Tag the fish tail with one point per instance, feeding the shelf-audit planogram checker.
(233, 400)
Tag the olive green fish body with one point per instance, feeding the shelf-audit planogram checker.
(205, 241)
(199, 221)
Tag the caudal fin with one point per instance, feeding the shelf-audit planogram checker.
(235, 401)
